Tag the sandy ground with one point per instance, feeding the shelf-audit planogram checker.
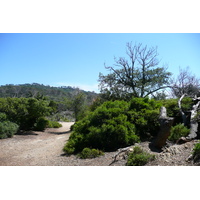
(35, 148)
(45, 149)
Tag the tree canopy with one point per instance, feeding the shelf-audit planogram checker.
(140, 75)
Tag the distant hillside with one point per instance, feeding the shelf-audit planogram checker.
(35, 89)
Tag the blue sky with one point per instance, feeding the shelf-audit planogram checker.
(75, 59)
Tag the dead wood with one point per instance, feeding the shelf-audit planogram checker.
(165, 127)
(181, 111)
(194, 120)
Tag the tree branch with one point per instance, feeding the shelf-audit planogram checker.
(160, 88)
(180, 108)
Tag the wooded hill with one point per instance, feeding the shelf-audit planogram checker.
(35, 90)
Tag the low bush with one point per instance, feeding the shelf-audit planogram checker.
(177, 132)
(139, 157)
(90, 153)
(41, 124)
(196, 152)
(53, 124)
(7, 129)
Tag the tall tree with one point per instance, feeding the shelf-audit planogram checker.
(139, 75)
(78, 104)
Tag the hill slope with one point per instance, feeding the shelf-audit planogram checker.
(35, 89)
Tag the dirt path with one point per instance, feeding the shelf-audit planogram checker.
(45, 149)
(35, 148)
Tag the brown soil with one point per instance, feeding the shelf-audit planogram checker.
(45, 149)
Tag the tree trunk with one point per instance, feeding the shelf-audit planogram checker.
(165, 127)
(193, 122)
(181, 111)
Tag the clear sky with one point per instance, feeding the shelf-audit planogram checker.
(75, 59)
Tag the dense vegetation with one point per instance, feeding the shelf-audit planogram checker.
(7, 128)
(35, 107)
(115, 124)
(37, 90)
(71, 102)
(27, 113)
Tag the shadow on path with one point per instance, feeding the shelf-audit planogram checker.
(59, 133)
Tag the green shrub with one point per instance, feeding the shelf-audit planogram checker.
(53, 124)
(8, 129)
(90, 153)
(41, 124)
(3, 117)
(107, 129)
(196, 149)
(139, 157)
(173, 109)
(144, 114)
(25, 111)
(177, 132)
(196, 152)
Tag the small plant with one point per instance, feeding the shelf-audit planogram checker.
(177, 132)
(41, 124)
(7, 129)
(139, 157)
(196, 152)
(54, 124)
(90, 153)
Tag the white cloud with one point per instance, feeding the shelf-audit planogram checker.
(86, 87)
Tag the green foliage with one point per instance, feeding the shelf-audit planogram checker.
(53, 124)
(41, 124)
(90, 153)
(7, 129)
(173, 109)
(138, 75)
(25, 111)
(61, 99)
(187, 104)
(107, 128)
(178, 131)
(196, 149)
(3, 117)
(144, 113)
(115, 124)
(79, 105)
(196, 152)
(139, 157)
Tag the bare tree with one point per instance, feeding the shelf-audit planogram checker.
(138, 76)
(185, 83)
